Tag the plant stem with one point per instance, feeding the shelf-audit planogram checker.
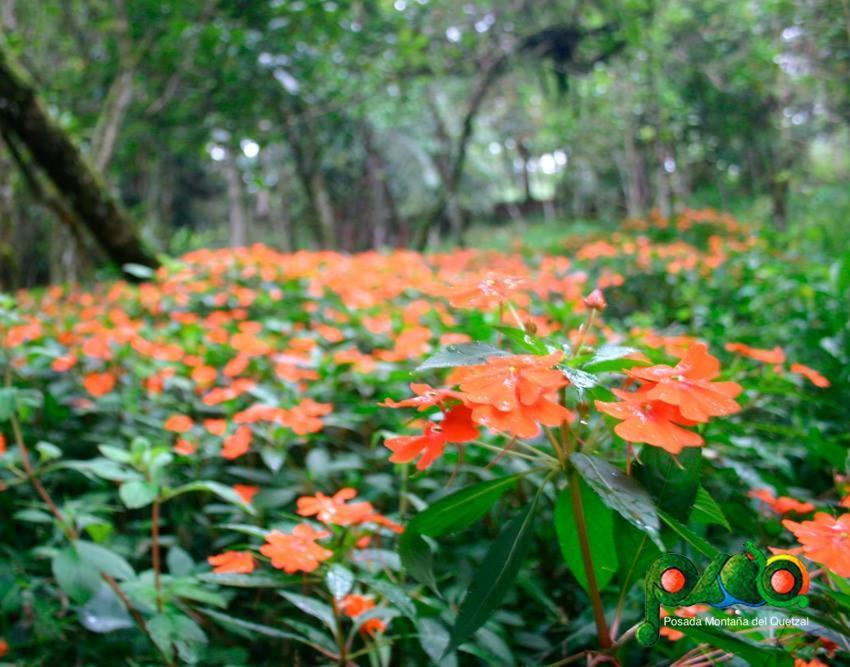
(586, 327)
(339, 635)
(403, 500)
(587, 558)
(155, 560)
(68, 530)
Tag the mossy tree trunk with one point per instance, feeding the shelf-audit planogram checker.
(23, 115)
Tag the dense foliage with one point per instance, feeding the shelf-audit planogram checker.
(467, 457)
(357, 124)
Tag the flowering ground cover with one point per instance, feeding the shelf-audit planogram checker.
(392, 458)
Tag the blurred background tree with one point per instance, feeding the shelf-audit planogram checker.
(353, 124)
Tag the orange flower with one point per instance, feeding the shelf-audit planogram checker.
(236, 365)
(484, 292)
(98, 384)
(296, 552)
(456, 427)
(783, 504)
(810, 374)
(185, 447)
(64, 363)
(354, 605)
(426, 397)
(814, 662)
(204, 375)
(825, 540)
(304, 417)
(237, 444)
(774, 356)
(215, 426)
(652, 422)
(179, 424)
(689, 385)
(430, 445)
(246, 492)
(4, 648)
(97, 347)
(22, 333)
(2, 444)
(239, 562)
(381, 520)
(333, 509)
(513, 394)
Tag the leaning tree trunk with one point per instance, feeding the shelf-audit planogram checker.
(23, 115)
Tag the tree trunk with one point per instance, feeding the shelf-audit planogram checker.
(23, 115)
(525, 174)
(106, 133)
(309, 168)
(287, 224)
(448, 206)
(236, 211)
(324, 211)
(386, 223)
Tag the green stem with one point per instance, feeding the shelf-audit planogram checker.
(587, 558)
(155, 556)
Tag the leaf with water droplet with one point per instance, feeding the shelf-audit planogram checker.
(621, 493)
(464, 354)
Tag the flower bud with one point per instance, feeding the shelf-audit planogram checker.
(595, 300)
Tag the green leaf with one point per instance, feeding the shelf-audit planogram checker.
(621, 493)
(103, 469)
(33, 516)
(580, 379)
(458, 510)
(339, 580)
(494, 576)
(610, 358)
(104, 612)
(116, 454)
(706, 510)
(221, 490)
(435, 639)
(599, 519)
(138, 271)
(104, 560)
(416, 557)
(138, 493)
(8, 402)
(312, 607)
(47, 451)
(240, 580)
(180, 563)
(461, 354)
(172, 630)
(635, 551)
(754, 653)
(188, 588)
(399, 598)
(528, 343)
(672, 482)
(697, 542)
(79, 580)
(232, 623)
